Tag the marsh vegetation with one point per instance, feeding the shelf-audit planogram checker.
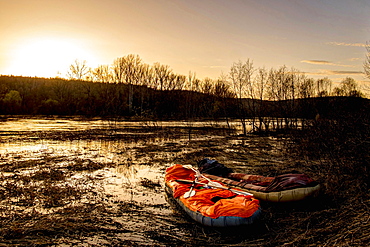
(98, 182)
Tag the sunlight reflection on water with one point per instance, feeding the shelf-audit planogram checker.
(51, 124)
(29, 124)
(124, 184)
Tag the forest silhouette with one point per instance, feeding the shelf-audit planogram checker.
(130, 88)
(56, 96)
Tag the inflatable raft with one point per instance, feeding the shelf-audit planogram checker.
(282, 188)
(210, 205)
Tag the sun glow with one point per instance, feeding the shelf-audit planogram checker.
(46, 57)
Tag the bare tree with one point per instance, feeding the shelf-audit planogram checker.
(296, 78)
(306, 88)
(367, 60)
(101, 74)
(145, 75)
(180, 82)
(261, 83)
(118, 70)
(190, 81)
(241, 79)
(240, 75)
(207, 86)
(348, 87)
(367, 66)
(161, 75)
(223, 91)
(222, 88)
(128, 70)
(78, 70)
(260, 92)
(323, 87)
(284, 87)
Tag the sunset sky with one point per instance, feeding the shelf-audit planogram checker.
(318, 37)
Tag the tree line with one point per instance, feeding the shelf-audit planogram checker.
(243, 80)
(131, 88)
(56, 96)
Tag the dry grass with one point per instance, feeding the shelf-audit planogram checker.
(340, 148)
(338, 217)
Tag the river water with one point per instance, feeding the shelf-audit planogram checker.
(114, 173)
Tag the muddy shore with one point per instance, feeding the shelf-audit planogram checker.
(103, 186)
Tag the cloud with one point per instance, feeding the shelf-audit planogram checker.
(345, 72)
(336, 72)
(324, 62)
(347, 44)
(317, 62)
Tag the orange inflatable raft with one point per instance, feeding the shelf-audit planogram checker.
(210, 205)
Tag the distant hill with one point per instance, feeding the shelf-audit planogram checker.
(40, 96)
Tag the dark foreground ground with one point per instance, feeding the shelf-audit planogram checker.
(104, 187)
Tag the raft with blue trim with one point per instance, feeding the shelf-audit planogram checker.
(213, 205)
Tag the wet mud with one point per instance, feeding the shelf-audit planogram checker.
(100, 183)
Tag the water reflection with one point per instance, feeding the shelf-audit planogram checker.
(26, 124)
(121, 183)
(125, 184)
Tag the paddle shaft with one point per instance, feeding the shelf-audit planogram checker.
(191, 192)
(214, 186)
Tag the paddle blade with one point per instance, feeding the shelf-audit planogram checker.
(189, 193)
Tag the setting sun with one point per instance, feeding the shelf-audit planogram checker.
(184, 122)
(46, 57)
